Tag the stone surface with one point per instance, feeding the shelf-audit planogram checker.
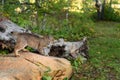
(30, 66)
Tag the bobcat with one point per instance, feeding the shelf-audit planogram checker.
(31, 40)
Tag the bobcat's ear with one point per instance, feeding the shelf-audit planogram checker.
(51, 37)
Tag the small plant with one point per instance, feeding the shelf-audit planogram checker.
(77, 62)
(46, 78)
(65, 79)
(5, 51)
(110, 14)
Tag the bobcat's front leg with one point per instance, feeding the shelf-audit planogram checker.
(41, 51)
(16, 52)
(19, 46)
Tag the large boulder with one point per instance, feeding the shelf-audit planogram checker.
(30, 66)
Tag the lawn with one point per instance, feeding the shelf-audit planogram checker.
(104, 62)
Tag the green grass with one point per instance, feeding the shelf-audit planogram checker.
(104, 62)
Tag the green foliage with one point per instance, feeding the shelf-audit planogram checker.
(65, 79)
(111, 14)
(3, 52)
(46, 78)
(115, 2)
(77, 27)
(118, 28)
(46, 75)
(50, 78)
(77, 63)
(55, 22)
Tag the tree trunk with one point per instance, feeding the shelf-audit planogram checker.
(103, 8)
(110, 3)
